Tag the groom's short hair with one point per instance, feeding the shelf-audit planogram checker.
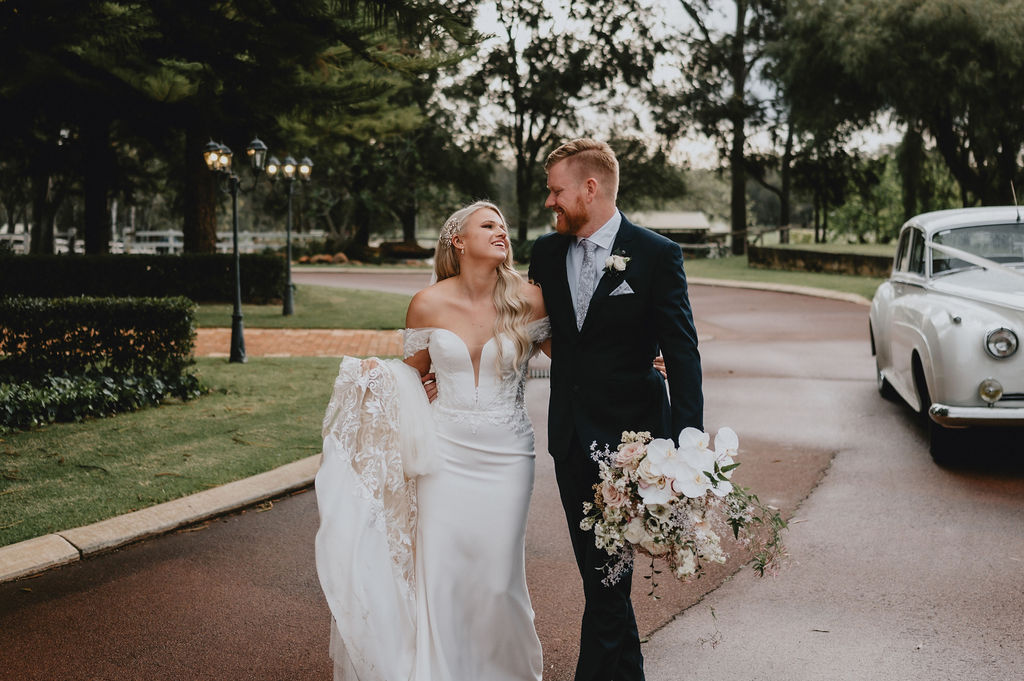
(594, 157)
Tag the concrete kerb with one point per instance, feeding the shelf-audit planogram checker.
(33, 556)
(36, 555)
(782, 288)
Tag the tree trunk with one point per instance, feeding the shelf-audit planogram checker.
(96, 184)
(910, 161)
(199, 198)
(524, 197)
(785, 212)
(406, 212)
(738, 73)
(43, 213)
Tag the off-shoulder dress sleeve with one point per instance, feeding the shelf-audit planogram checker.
(414, 340)
(539, 330)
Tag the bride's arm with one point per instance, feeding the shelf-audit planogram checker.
(536, 300)
(417, 317)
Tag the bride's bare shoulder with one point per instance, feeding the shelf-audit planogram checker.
(535, 298)
(426, 306)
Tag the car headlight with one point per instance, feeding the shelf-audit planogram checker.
(990, 390)
(1001, 343)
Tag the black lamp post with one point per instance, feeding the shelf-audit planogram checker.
(218, 159)
(290, 170)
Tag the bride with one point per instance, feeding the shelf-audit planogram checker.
(423, 506)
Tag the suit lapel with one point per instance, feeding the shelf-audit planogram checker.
(607, 283)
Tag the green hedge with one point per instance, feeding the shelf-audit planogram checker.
(65, 359)
(74, 398)
(64, 336)
(207, 277)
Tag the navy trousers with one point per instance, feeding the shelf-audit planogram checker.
(609, 640)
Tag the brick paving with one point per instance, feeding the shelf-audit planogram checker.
(302, 343)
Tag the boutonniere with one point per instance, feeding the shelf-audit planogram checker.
(616, 262)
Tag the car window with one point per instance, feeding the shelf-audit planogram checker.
(900, 263)
(1001, 243)
(915, 262)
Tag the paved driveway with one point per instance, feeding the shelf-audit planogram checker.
(899, 569)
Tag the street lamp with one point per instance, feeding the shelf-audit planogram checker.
(303, 170)
(218, 159)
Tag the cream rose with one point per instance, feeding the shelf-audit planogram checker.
(616, 262)
(612, 495)
(628, 454)
(636, 532)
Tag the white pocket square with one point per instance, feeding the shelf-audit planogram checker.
(622, 289)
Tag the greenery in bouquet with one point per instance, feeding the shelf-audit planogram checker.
(675, 503)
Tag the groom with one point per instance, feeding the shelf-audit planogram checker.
(616, 296)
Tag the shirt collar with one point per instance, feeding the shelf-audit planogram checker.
(605, 237)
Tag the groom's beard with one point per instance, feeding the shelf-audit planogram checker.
(571, 222)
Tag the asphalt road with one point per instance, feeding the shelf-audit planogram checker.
(888, 553)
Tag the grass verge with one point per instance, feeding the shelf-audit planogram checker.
(735, 267)
(258, 416)
(317, 307)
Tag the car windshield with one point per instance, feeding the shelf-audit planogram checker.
(1001, 243)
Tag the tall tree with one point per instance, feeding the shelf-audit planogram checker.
(951, 70)
(159, 72)
(549, 62)
(716, 97)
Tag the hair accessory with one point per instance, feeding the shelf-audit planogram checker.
(450, 229)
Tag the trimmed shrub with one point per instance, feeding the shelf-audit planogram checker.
(202, 277)
(75, 398)
(66, 359)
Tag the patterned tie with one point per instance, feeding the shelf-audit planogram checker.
(585, 287)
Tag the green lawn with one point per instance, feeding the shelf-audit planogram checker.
(258, 416)
(317, 307)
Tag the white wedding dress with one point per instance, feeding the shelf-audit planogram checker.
(425, 576)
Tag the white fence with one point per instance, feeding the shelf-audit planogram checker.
(162, 242)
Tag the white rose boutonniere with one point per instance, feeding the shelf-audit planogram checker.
(616, 262)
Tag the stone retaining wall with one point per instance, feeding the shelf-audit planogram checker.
(817, 261)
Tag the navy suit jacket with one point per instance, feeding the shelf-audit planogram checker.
(602, 378)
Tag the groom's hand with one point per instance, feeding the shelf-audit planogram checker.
(659, 364)
(430, 386)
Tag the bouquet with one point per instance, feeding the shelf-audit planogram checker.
(674, 503)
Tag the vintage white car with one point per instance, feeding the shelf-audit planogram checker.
(947, 325)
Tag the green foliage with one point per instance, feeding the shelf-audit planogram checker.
(67, 359)
(71, 336)
(199, 276)
(874, 207)
(950, 69)
(30, 404)
(537, 74)
(152, 78)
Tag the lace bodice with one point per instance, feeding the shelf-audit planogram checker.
(497, 398)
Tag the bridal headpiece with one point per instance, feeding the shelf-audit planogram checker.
(450, 229)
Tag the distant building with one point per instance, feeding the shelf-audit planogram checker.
(684, 227)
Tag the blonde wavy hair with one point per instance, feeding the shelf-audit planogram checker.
(513, 309)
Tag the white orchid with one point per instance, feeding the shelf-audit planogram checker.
(694, 438)
(656, 493)
(689, 481)
(727, 445)
(660, 452)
